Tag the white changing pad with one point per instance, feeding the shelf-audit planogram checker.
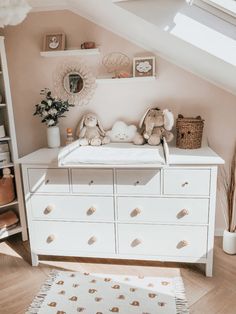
(111, 154)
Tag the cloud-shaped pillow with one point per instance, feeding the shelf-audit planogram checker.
(121, 132)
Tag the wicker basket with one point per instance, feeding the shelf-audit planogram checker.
(189, 132)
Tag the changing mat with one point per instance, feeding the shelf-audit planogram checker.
(111, 154)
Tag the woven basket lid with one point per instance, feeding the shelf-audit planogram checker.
(197, 119)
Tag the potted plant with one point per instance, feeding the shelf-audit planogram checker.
(51, 109)
(229, 205)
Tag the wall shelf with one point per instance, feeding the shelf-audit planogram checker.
(10, 232)
(2, 105)
(69, 53)
(7, 166)
(6, 138)
(9, 204)
(125, 80)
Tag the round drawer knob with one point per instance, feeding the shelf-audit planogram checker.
(136, 242)
(185, 212)
(48, 209)
(92, 240)
(51, 238)
(91, 182)
(182, 244)
(91, 211)
(182, 213)
(185, 184)
(137, 183)
(47, 181)
(135, 212)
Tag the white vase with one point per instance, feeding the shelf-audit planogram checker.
(229, 242)
(53, 137)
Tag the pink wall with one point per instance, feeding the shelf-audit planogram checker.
(174, 88)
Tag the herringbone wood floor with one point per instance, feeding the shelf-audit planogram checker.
(19, 282)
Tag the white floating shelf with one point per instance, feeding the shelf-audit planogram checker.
(7, 166)
(69, 53)
(9, 204)
(10, 232)
(2, 105)
(6, 138)
(126, 80)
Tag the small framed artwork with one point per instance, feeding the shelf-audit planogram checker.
(54, 41)
(144, 66)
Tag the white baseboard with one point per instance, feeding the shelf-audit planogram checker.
(219, 232)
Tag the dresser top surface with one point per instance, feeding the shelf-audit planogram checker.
(201, 156)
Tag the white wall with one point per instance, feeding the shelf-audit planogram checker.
(174, 88)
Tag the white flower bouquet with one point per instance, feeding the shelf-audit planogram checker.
(51, 109)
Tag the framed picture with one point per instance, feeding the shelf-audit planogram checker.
(54, 41)
(144, 66)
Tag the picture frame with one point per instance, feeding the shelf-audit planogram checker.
(144, 66)
(54, 41)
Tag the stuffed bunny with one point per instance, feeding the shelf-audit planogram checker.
(90, 131)
(155, 125)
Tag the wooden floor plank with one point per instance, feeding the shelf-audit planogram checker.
(20, 282)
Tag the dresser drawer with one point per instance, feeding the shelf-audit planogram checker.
(163, 240)
(136, 182)
(48, 180)
(187, 182)
(91, 181)
(68, 237)
(90, 208)
(164, 210)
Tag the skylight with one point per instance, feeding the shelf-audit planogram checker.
(204, 37)
(225, 9)
(228, 6)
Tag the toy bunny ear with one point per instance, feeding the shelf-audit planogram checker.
(80, 126)
(103, 133)
(168, 119)
(143, 118)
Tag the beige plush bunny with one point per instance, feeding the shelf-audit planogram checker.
(155, 125)
(91, 132)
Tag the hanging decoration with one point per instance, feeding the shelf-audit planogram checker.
(13, 12)
(74, 82)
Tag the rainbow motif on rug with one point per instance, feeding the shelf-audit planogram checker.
(74, 292)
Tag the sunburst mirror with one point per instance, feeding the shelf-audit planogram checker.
(75, 82)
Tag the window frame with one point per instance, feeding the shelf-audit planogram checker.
(221, 11)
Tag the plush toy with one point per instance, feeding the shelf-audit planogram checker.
(121, 132)
(91, 132)
(7, 173)
(155, 125)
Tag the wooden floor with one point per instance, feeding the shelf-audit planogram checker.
(19, 281)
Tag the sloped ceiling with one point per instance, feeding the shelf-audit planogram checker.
(146, 23)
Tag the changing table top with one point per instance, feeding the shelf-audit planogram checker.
(201, 156)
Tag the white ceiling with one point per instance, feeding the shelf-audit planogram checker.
(146, 22)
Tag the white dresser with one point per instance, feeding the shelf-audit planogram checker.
(146, 212)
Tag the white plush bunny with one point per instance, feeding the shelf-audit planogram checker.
(91, 132)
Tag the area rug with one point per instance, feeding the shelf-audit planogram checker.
(75, 292)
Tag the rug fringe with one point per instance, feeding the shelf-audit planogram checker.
(36, 304)
(180, 297)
